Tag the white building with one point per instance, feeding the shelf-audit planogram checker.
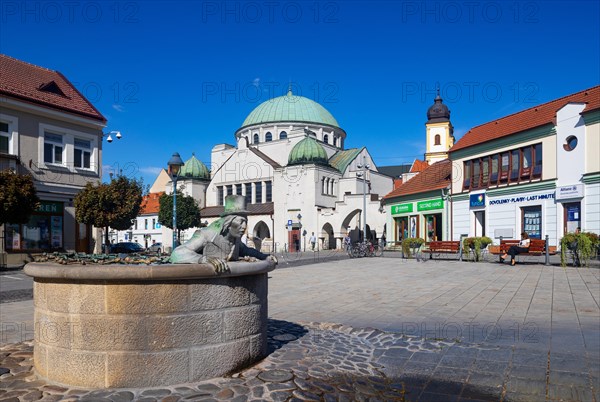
(536, 171)
(290, 163)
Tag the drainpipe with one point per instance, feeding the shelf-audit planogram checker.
(446, 197)
(273, 234)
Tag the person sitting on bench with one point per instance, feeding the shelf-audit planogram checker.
(523, 247)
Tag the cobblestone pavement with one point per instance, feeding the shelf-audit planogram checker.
(446, 332)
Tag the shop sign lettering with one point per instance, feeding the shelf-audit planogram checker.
(401, 208)
(429, 205)
(522, 199)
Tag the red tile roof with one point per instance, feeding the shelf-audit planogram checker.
(26, 82)
(150, 203)
(418, 166)
(435, 177)
(527, 119)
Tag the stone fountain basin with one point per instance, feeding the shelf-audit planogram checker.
(127, 326)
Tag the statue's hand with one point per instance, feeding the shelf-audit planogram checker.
(219, 264)
(272, 258)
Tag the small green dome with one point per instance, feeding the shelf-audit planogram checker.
(194, 169)
(290, 108)
(308, 151)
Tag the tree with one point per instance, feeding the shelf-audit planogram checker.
(18, 198)
(114, 204)
(188, 212)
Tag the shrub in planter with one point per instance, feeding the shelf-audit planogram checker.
(476, 244)
(583, 245)
(409, 243)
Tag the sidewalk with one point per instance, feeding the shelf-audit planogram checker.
(398, 329)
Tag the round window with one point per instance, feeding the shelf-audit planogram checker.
(571, 143)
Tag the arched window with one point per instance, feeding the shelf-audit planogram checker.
(323, 185)
(437, 139)
(335, 141)
(331, 190)
(282, 135)
(268, 137)
(255, 139)
(326, 139)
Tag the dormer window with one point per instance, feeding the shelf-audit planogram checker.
(326, 139)
(52, 87)
(282, 135)
(268, 137)
(255, 139)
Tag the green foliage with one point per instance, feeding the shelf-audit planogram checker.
(475, 244)
(188, 211)
(583, 245)
(409, 243)
(18, 198)
(114, 204)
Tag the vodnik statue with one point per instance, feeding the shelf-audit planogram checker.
(220, 241)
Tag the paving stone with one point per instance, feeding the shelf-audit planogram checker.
(276, 376)
(123, 396)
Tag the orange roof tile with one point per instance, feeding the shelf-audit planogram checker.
(27, 82)
(435, 177)
(419, 166)
(527, 119)
(150, 203)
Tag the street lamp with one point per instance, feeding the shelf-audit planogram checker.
(363, 174)
(175, 164)
(109, 138)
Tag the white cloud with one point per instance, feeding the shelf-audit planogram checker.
(151, 170)
(118, 108)
(256, 82)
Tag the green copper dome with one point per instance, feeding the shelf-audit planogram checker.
(194, 169)
(290, 108)
(308, 151)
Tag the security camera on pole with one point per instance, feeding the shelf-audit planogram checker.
(363, 174)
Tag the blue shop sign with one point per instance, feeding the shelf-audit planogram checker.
(476, 200)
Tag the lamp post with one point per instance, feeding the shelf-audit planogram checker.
(175, 164)
(109, 137)
(363, 174)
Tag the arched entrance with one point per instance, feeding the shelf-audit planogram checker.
(261, 231)
(348, 223)
(328, 238)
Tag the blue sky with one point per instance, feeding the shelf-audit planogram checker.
(182, 76)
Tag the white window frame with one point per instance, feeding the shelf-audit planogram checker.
(13, 132)
(68, 147)
(83, 150)
(54, 146)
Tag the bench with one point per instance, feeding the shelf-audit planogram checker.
(537, 248)
(443, 247)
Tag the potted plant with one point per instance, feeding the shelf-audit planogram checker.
(582, 245)
(411, 243)
(475, 245)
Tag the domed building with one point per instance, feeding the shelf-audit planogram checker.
(290, 163)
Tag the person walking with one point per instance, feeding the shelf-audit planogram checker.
(523, 247)
(313, 241)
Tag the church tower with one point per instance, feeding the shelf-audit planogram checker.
(440, 133)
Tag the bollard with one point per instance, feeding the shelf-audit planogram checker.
(546, 247)
(500, 255)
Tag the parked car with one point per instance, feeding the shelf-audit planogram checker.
(126, 248)
(156, 248)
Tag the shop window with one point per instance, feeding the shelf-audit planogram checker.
(255, 139)
(326, 139)
(53, 148)
(572, 216)
(268, 137)
(268, 191)
(467, 171)
(485, 171)
(514, 171)
(414, 226)
(504, 166)
(83, 152)
(401, 228)
(437, 140)
(4, 138)
(282, 135)
(494, 170)
(526, 162)
(43, 231)
(532, 221)
(248, 193)
(537, 165)
(220, 195)
(434, 227)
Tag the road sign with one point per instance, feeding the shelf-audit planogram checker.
(289, 223)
